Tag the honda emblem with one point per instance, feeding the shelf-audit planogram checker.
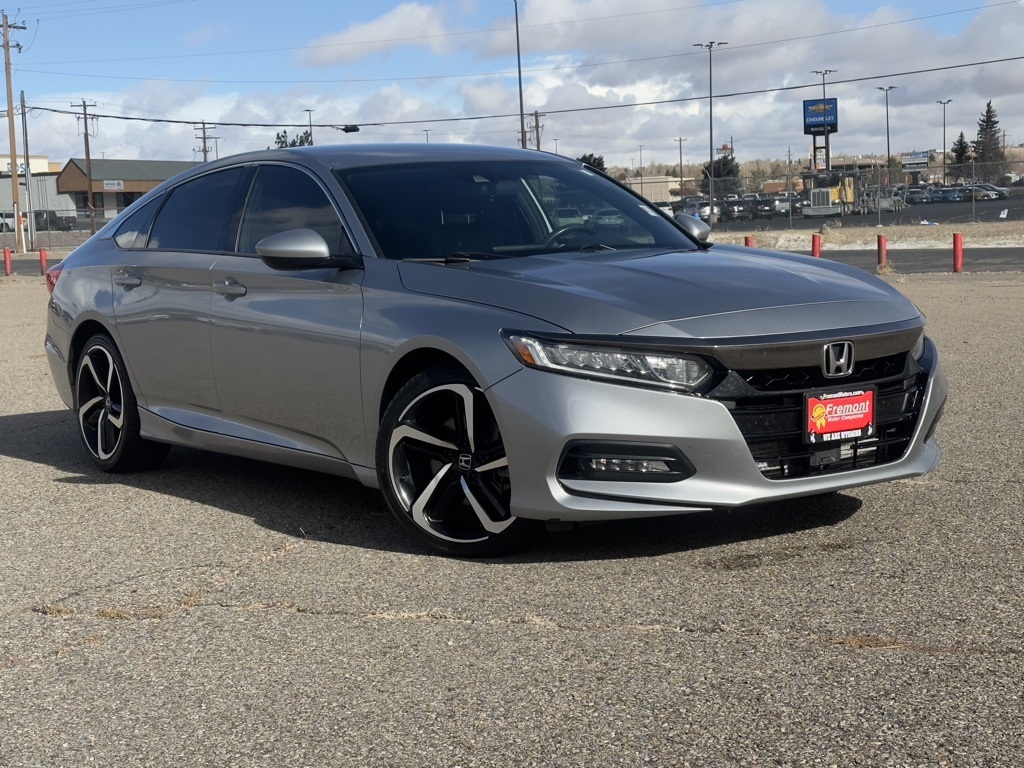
(837, 359)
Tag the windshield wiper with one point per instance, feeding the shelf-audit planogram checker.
(459, 257)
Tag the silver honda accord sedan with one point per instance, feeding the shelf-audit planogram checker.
(416, 318)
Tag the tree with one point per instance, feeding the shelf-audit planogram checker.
(594, 161)
(958, 166)
(727, 176)
(304, 139)
(989, 156)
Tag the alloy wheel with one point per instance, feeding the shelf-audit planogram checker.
(100, 400)
(447, 465)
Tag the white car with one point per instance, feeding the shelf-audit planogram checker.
(563, 217)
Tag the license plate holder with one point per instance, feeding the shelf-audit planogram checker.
(833, 416)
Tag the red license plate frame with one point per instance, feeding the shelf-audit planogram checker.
(834, 416)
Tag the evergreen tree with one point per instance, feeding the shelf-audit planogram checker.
(594, 161)
(727, 176)
(958, 167)
(989, 156)
(304, 139)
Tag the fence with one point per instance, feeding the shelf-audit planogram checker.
(899, 195)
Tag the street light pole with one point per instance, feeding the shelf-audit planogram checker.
(944, 103)
(828, 153)
(680, 140)
(519, 66)
(711, 129)
(641, 170)
(310, 113)
(888, 150)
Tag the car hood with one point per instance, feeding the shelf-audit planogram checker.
(721, 292)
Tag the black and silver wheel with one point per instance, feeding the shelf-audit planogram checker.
(442, 465)
(108, 416)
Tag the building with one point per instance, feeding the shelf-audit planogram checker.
(657, 189)
(116, 184)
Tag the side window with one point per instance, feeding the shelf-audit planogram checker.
(135, 229)
(283, 198)
(197, 214)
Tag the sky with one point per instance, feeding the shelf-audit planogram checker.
(623, 79)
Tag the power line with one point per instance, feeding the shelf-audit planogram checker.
(633, 105)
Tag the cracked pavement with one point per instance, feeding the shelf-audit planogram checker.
(220, 611)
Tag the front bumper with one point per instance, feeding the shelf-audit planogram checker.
(541, 413)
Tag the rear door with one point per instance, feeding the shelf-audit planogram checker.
(162, 294)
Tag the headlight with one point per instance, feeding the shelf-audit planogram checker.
(918, 349)
(680, 372)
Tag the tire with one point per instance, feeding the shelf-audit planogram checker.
(442, 467)
(107, 412)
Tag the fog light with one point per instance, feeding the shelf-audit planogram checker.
(624, 462)
(604, 463)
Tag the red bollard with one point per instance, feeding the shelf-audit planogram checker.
(748, 241)
(883, 250)
(816, 246)
(8, 267)
(42, 261)
(958, 252)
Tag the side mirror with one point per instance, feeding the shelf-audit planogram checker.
(302, 249)
(694, 227)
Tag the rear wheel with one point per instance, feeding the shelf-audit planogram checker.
(108, 415)
(442, 466)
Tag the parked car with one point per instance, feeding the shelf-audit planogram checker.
(787, 203)
(914, 196)
(977, 193)
(762, 207)
(946, 195)
(482, 367)
(7, 221)
(565, 216)
(51, 220)
(1000, 192)
(607, 217)
(701, 209)
(735, 209)
(665, 208)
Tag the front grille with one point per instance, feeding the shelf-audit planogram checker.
(771, 417)
(789, 379)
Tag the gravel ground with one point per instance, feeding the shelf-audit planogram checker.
(223, 612)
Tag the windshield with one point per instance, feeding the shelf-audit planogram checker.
(495, 209)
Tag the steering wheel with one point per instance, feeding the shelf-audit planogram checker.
(552, 238)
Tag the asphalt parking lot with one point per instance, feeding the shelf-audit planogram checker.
(223, 612)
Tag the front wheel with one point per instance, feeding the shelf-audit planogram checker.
(442, 466)
(108, 415)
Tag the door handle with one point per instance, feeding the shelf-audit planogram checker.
(230, 288)
(127, 281)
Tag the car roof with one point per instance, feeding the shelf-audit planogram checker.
(359, 155)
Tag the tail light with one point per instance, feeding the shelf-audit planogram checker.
(52, 275)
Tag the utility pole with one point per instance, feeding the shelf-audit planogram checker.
(88, 165)
(205, 149)
(680, 140)
(29, 215)
(19, 235)
(536, 130)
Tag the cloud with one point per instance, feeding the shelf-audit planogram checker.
(405, 25)
(207, 33)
